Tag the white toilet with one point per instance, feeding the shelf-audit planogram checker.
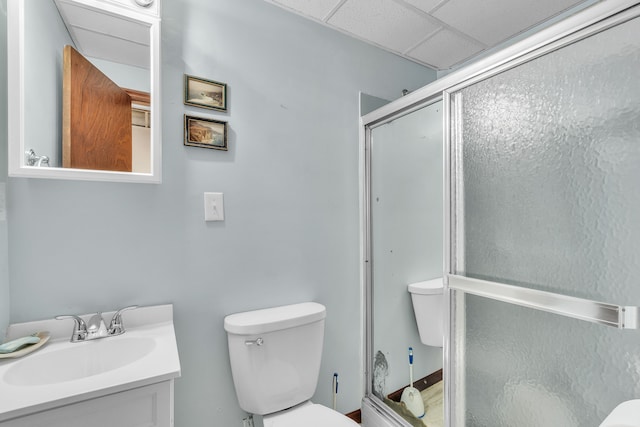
(626, 414)
(275, 361)
(428, 306)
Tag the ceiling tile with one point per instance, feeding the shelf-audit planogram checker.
(445, 49)
(383, 22)
(492, 21)
(317, 9)
(424, 5)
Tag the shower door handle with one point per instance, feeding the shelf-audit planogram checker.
(618, 316)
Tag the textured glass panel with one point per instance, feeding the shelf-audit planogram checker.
(406, 239)
(551, 166)
(551, 155)
(529, 368)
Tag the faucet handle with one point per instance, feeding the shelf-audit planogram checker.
(79, 327)
(116, 327)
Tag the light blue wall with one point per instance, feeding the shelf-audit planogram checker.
(369, 103)
(126, 76)
(4, 244)
(290, 184)
(45, 36)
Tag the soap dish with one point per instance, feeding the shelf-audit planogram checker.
(44, 337)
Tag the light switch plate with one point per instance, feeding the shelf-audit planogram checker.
(213, 207)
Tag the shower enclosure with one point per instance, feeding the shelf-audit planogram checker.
(406, 231)
(542, 227)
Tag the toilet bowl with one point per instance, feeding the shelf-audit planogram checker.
(308, 414)
(275, 356)
(428, 306)
(626, 414)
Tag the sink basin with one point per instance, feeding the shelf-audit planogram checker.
(80, 360)
(62, 374)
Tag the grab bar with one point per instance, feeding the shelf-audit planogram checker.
(623, 317)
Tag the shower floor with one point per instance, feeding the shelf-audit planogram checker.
(433, 404)
(432, 397)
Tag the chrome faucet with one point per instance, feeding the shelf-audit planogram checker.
(116, 327)
(79, 327)
(32, 159)
(96, 328)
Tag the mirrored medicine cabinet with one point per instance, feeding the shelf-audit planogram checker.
(84, 90)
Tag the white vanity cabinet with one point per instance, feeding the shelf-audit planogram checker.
(118, 381)
(148, 406)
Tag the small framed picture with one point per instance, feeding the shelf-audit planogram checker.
(205, 93)
(205, 133)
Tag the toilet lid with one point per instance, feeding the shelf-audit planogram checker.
(310, 415)
(428, 287)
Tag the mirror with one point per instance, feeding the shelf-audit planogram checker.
(54, 131)
(406, 247)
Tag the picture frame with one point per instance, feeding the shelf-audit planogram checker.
(203, 93)
(205, 133)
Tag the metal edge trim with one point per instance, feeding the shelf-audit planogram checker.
(564, 305)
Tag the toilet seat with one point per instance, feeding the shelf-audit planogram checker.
(308, 415)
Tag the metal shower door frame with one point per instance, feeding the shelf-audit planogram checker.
(594, 19)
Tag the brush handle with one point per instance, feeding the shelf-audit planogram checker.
(411, 375)
(335, 390)
(411, 366)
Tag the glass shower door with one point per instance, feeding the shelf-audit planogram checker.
(545, 235)
(405, 179)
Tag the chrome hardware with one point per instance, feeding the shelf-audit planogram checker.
(618, 316)
(257, 342)
(31, 159)
(79, 327)
(116, 327)
(96, 327)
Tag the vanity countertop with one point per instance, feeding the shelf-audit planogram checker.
(156, 361)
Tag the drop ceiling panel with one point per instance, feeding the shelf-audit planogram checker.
(78, 16)
(435, 33)
(112, 49)
(105, 36)
(492, 21)
(424, 5)
(383, 22)
(318, 9)
(445, 49)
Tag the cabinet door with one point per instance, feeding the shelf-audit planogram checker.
(149, 406)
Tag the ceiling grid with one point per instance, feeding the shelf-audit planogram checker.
(439, 34)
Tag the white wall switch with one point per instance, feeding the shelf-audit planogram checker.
(213, 207)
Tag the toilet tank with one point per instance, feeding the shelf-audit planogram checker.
(275, 355)
(428, 306)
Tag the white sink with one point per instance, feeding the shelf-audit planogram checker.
(79, 360)
(63, 373)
